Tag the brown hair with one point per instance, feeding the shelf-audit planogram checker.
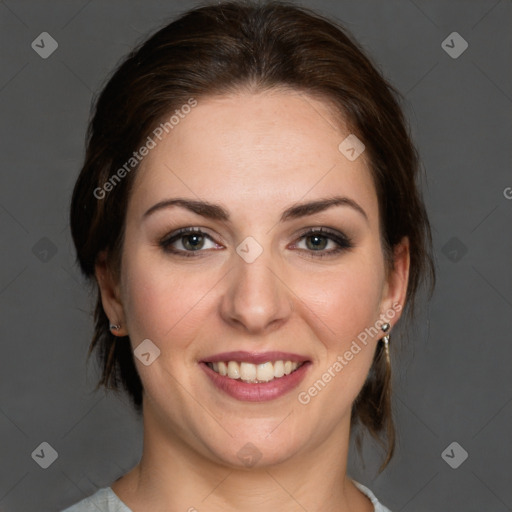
(221, 49)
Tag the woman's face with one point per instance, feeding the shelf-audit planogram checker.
(253, 286)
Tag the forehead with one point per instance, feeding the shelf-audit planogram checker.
(263, 151)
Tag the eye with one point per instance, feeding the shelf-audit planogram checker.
(316, 241)
(191, 239)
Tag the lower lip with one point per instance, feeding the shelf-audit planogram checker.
(261, 392)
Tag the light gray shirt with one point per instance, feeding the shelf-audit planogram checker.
(106, 500)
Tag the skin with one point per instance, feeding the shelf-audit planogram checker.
(256, 154)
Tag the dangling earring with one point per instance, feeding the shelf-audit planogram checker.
(385, 339)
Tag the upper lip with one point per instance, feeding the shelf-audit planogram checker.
(254, 357)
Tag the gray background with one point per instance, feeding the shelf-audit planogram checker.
(453, 384)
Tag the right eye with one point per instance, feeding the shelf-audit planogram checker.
(191, 239)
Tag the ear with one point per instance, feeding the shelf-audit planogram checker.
(110, 294)
(395, 287)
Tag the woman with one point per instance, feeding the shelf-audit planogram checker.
(249, 210)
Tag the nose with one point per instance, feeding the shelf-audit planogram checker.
(257, 298)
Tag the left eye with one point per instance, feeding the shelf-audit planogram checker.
(318, 241)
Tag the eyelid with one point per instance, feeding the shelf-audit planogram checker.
(321, 229)
(342, 241)
(182, 233)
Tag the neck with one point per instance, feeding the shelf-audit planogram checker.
(172, 475)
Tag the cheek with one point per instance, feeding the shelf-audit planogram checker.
(343, 303)
(162, 303)
(343, 316)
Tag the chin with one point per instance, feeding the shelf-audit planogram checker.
(250, 449)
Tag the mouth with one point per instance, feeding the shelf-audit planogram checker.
(255, 377)
(254, 373)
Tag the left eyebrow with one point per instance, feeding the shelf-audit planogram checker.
(304, 209)
(217, 212)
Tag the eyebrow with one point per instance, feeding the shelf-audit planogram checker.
(217, 212)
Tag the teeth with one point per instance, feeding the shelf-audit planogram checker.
(247, 371)
(233, 370)
(265, 372)
(254, 373)
(278, 369)
(223, 369)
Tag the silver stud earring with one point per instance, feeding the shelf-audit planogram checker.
(385, 339)
(115, 327)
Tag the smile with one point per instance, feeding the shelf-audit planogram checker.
(255, 376)
(254, 373)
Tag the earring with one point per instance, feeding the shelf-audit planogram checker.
(114, 327)
(385, 328)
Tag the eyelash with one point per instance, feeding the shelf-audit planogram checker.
(344, 243)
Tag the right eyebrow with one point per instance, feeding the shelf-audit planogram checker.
(203, 208)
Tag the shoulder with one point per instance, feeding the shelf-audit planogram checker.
(378, 506)
(103, 500)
